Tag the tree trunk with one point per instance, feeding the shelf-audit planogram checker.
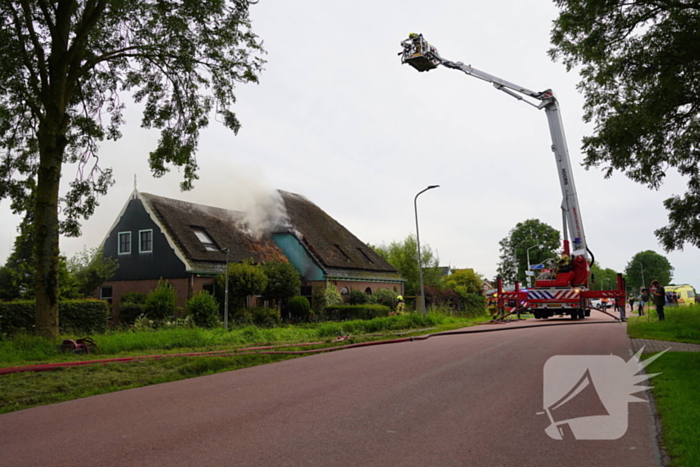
(52, 143)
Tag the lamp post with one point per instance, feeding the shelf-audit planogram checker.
(226, 250)
(420, 265)
(644, 283)
(528, 262)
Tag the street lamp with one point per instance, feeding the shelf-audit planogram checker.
(226, 250)
(420, 265)
(528, 262)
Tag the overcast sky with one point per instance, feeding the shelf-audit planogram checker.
(338, 119)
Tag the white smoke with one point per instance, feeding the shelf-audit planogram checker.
(267, 214)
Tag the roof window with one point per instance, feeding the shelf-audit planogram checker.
(204, 237)
(347, 258)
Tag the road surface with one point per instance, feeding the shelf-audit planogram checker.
(446, 401)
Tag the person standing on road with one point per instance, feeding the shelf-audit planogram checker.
(658, 295)
(631, 302)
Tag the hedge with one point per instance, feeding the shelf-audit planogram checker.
(348, 312)
(73, 316)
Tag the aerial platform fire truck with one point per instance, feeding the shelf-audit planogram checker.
(565, 289)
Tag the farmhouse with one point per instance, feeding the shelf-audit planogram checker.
(156, 237)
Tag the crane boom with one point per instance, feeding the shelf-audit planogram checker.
(424, 57)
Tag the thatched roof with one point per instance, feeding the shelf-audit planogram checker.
(224, 227)
(337, 250)
(331, 243)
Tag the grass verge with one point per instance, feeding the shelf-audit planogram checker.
(676, 395)
(30, 389)
(682, 324)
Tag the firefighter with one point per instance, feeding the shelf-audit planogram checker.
(563, 263)
(399, 305)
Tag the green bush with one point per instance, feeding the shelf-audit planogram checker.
(260, 316)
(160, 303)
(266, 317)
(131, 306)
(132, 297)
(16, 317)
(204, 310)
(83, 315)
(358, 297)
(299, 308)
(324, 296)
(474, 305)
(385, 297)
(350, 312)
(73, 315)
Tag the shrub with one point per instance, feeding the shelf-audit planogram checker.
(83, 315)
(132, 297)
(299, 308)
(266, 317)
(348, 312)
(160, 303)
(73, 315)
(204, 310)
(325, 296)
(474, 305)
(385, 297)
(260, 316)
(131, 306)
(357, 297)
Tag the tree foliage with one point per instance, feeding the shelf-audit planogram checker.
(66, 65)
(91, 269)
(640, 69)
(464, 281)
(283, 281)
(542, 239)
(244, 279)
(605, 278)
(404, 257)
(646, 266)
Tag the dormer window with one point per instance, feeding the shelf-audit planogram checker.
(206, 240)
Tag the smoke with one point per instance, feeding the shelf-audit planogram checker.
(265, 215)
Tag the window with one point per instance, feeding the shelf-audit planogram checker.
(145, 241)
(124, 243)
(106, 293)
(365, 255)
(368, 291)
(344, 291)
(208, 288)
(347, 258)
(206, 240)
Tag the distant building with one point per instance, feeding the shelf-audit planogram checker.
(156, 237)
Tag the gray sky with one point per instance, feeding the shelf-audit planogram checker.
(338, 119)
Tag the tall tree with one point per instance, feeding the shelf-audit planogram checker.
(404, 257)
(640, 67)
(66, 64)
(542, 241)
(646, 266)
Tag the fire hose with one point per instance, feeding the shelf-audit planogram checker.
(265, 350)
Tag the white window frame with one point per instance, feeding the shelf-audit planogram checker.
(119, 243)
(141, 250)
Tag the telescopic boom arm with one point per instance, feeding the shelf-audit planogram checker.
(424, 57)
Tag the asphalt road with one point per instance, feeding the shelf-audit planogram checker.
(448, 400)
